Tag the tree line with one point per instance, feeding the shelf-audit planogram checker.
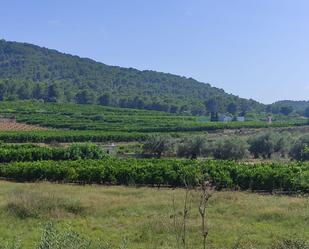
(264, 145)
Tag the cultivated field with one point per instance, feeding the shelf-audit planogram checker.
(143, 218)
(100, 118)
(122, 212)
(7, 125)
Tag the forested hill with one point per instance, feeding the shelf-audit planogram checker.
(32, 72)
(296, 105)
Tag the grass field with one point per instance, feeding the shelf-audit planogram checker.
(143, 217)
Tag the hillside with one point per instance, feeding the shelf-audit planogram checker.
(296, 105)
(32, 72)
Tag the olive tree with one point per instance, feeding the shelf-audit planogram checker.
(298, 149)
(233, 148)
(158, 144)
(263, 145)
(191, 147)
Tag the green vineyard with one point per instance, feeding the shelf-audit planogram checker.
(108, 119)
(165, 172)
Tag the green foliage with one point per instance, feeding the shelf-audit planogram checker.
(286, 110)
(299, 106)
(32, 72)
(232, 148)
(109, 119)
(299, 149)
(169, 172)
(28, 152)
(305, 153)
(52, 238)
(284, 142)
(65, 136)
(265, 145)
(192, 147)
(158, 144)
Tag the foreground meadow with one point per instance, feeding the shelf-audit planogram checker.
(128, 217)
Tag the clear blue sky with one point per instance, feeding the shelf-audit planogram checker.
(252, 48)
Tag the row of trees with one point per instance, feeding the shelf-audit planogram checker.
(57, 92)
(263, 145)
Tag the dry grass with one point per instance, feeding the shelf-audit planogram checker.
(14, 126)
(30, 203)
(143, 216)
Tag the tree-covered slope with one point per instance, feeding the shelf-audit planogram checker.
(296, 105)
(32, 72)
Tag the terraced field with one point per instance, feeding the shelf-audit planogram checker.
(99, 118)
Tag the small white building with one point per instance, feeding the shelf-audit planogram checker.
(240, 119)
(225, 118)
(109, 148)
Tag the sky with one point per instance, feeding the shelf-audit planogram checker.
(255, 49)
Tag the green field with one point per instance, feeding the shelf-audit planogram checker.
(132, 205)
(143, 216)
(99, 118)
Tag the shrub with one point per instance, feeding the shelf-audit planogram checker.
(263, 145)
(29, 152)
(305, 153)
(298, 151)
(157, 145)
(283, 144)
(232, 148)
(192, 147)
(52, 238)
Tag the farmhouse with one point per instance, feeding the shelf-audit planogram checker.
(225, 118)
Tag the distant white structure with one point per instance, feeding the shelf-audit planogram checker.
(225, 118)
(110, 148)
(269, 119)
(240, 119)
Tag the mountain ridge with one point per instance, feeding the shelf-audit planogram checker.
(29, 71)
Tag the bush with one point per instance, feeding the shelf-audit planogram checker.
(192, 147)
(284, 142)
(52, 238)
(157, 145)
(299, 151)
(232, 148)
(30, 152)
(263, 145)
(305, 153)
